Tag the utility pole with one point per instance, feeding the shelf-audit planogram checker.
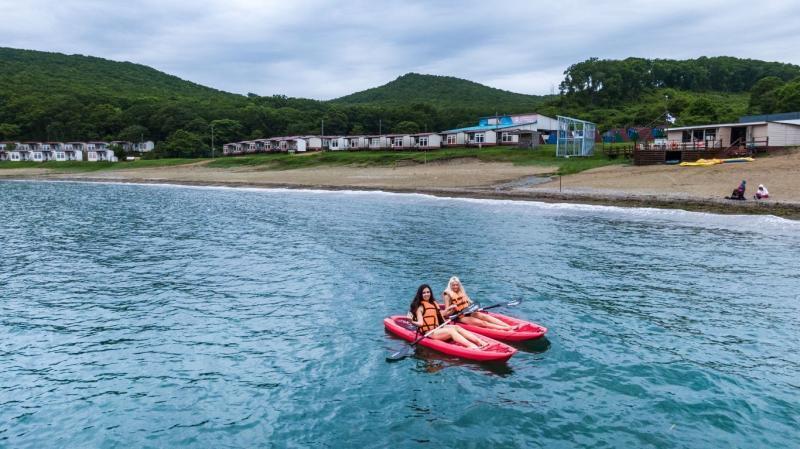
(212, 140)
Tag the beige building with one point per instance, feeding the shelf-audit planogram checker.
(778, 133)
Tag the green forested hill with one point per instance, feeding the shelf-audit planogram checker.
(51, 96)
(637, 91)
(35, 72)
(444, 92)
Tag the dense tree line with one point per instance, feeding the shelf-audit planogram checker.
(606, 82)
(49, 96)
(636, 91)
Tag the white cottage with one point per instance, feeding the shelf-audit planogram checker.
(32, 151)
(53, 151)
(377, 142)
(74, 151)
(5, 148)
(144, 147)
(336, 143)
(296, 144)
(313, 143)
(400, 141)
(427, 141)
(358, 142)
(99, 152)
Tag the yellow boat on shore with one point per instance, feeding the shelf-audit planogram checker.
(709, 162)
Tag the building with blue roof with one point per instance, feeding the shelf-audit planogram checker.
(499, 130)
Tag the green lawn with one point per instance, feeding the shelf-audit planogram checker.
(80, 166)
(544, 155)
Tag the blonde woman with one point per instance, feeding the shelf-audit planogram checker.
(456, 299)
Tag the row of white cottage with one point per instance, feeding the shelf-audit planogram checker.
(494, 130)
(68, 151)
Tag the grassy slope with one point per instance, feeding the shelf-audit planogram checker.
(62, 167)
(544, 156)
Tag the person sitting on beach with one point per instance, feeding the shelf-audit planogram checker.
(456, 300)
(761, 193)
(427, 317)
(738, 193)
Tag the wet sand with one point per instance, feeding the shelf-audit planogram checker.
(691, 188)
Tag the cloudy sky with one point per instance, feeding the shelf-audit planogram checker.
(324, 49)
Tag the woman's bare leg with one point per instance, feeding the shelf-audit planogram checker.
(458, 338)
(480, 323)
(491, 319)
(471, 337)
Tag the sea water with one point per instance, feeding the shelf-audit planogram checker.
(161, 316)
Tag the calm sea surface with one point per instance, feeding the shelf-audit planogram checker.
(157, 316)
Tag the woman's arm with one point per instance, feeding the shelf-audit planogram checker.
(447, 306)
(419, 322)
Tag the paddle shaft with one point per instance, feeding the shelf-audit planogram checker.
(427, 334)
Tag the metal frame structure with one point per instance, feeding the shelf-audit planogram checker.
(575, 137)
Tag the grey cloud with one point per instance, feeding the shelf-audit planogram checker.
(324, 49)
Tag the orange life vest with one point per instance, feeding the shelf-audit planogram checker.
(459, 300)
(431, 318)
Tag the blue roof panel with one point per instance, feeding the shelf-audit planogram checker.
(487, 127)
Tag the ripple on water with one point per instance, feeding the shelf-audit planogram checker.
(155, 316)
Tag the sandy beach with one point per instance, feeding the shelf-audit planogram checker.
(693, 188)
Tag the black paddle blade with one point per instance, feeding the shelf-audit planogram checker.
(401, 354)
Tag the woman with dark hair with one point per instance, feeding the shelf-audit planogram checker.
(425, 315)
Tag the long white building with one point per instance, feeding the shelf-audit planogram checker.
(493, 130)
(69, 151)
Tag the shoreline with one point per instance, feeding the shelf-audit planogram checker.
(619, 199)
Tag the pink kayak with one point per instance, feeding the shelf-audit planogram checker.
(495, 351)
(525, 330)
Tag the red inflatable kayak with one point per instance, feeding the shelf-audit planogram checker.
(496, 351)
(525, 331)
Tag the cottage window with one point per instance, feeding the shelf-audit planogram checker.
(451, 139)
(423, 141)
(478, 138)
(334, 144)
(374, 141)
(506, 137)
(398, 141)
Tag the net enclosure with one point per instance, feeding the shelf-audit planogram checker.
(575, 137)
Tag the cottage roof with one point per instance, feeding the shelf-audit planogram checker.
(487, 127)
(717, 125)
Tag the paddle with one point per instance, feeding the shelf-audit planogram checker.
(406, 351)
(514, 302)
